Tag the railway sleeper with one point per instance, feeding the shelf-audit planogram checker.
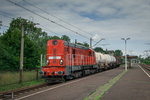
(7, 95)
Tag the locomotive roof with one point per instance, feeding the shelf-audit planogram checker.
(74, 45)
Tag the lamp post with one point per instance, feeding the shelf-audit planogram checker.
(125, 39)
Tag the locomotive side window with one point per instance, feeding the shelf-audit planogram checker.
(90, 53)
(55, 42)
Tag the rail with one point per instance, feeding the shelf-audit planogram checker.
(12, 92)
(146, 66)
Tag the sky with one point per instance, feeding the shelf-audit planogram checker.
(96, 19)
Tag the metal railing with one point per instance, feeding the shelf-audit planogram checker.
(76, 60)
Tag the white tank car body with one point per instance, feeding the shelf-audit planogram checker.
(104, 59)
(97, 57)
(100, 58)
(113, 59)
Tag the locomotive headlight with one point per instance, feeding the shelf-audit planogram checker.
(61, 62)
(41, 72)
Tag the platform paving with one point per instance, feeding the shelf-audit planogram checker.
(76, 89)
(134, 85)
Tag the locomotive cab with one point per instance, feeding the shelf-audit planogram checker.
(55, 53)
(55, 59)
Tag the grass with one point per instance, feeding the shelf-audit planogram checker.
(7, 78)
(102, 89)
(22, 85)
(10, 80)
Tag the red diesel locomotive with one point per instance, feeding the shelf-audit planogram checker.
(67, 60)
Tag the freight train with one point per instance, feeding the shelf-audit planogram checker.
(67, 61)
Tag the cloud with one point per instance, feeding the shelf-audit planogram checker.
(96, 37)
(106, 11)
(109, 19)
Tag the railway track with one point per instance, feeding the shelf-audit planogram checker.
(13, 93)
(147, 67)
(7, 95)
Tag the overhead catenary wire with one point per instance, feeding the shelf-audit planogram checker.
(5, 15)
(56, 17)
(147, 43)
(39, 24)
(46, 18)
(49, 30)
(98, 42)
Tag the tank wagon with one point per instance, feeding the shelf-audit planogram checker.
(67, 61)
(105, 61)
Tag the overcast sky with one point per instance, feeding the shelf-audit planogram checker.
(109, 19)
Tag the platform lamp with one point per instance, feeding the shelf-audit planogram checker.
(125, 39)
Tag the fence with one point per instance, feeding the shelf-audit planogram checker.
(7, 78)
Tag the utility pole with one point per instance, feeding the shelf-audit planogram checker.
(21, 53)
(0, 25)
(41, 60)
(75, 41)
(90, 42)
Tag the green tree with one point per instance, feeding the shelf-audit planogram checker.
(32, 32)
(118, 53)
(145, 60)
(10, 50)
(5, 57)
(86, 44)
(99, 49)
(10, 45)
(83, 44)
(66, 38)
(54, 37)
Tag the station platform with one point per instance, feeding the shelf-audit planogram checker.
(134, 85)
(114, 84)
